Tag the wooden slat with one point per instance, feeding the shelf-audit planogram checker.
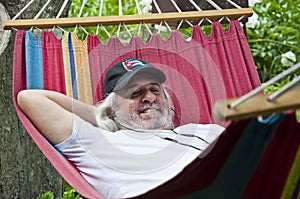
(257, 105)
(127, 19)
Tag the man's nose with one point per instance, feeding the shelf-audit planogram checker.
(148, 97)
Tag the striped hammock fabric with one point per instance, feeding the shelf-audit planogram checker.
(202, 65)
(199, 72)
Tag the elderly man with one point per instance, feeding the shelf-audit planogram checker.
(127, 145)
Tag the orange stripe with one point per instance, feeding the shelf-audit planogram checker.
(84, 85)
(66, 58)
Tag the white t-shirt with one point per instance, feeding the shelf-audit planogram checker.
(128, 163)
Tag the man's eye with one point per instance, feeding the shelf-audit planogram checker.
(135, 94)
(155, 91)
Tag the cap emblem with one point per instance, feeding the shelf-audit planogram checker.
(129, 64)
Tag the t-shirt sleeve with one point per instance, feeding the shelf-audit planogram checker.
(72, 146)
(72, 139)
(76, 149)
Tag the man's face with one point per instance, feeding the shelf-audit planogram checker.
(142, 105)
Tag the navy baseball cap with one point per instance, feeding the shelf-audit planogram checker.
(120, 74)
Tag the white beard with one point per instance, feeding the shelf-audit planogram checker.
(157, 119)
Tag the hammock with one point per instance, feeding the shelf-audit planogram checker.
(199, 72)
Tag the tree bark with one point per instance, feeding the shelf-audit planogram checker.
(25, 172)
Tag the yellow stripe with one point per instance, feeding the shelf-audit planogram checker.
(84, 86)
(293, 177)
(66, 58)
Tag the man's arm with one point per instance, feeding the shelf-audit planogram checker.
(51, 112)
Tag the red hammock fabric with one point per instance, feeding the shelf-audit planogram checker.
(199, 72)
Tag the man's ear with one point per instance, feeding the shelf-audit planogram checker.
(110, 113)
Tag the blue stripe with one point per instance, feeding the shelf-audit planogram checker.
(72, 66)
(34, 62)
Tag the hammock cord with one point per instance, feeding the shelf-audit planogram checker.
(120, 8)
(237, 6)
(127, 30)
(120, 14)
(62, 8)
(122, 24)
(137, 5)
(140, 25)
(79, 15)
(234, 4)
(198, 8)
(195, 5)
(43, 8)
(60, 13)
(100, 14)
(179, 10)
(176, 6)
(100, 8)
(159, 11)
(214, 4)
(81, 8)
(23, 9)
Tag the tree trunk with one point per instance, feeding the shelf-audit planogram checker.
(25, 172)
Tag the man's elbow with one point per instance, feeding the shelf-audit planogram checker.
(22, 98)
(25, 99)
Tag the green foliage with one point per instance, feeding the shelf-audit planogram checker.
(47, 195)
(69, 193)
(277, 85)
(276, 32)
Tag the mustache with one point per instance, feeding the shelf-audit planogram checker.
(152, 106)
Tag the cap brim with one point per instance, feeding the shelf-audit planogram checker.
(148, 71)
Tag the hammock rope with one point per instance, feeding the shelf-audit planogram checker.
(137, 4)
(160, 12)
(214, 4)
(98, 25)
(23, 9)
(63, 7)
(209, 15)
(42, 9)
(195, 5)
(79, 15)
(234, 4)
(179, 11)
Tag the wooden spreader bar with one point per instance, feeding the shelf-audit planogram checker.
(212, 15)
